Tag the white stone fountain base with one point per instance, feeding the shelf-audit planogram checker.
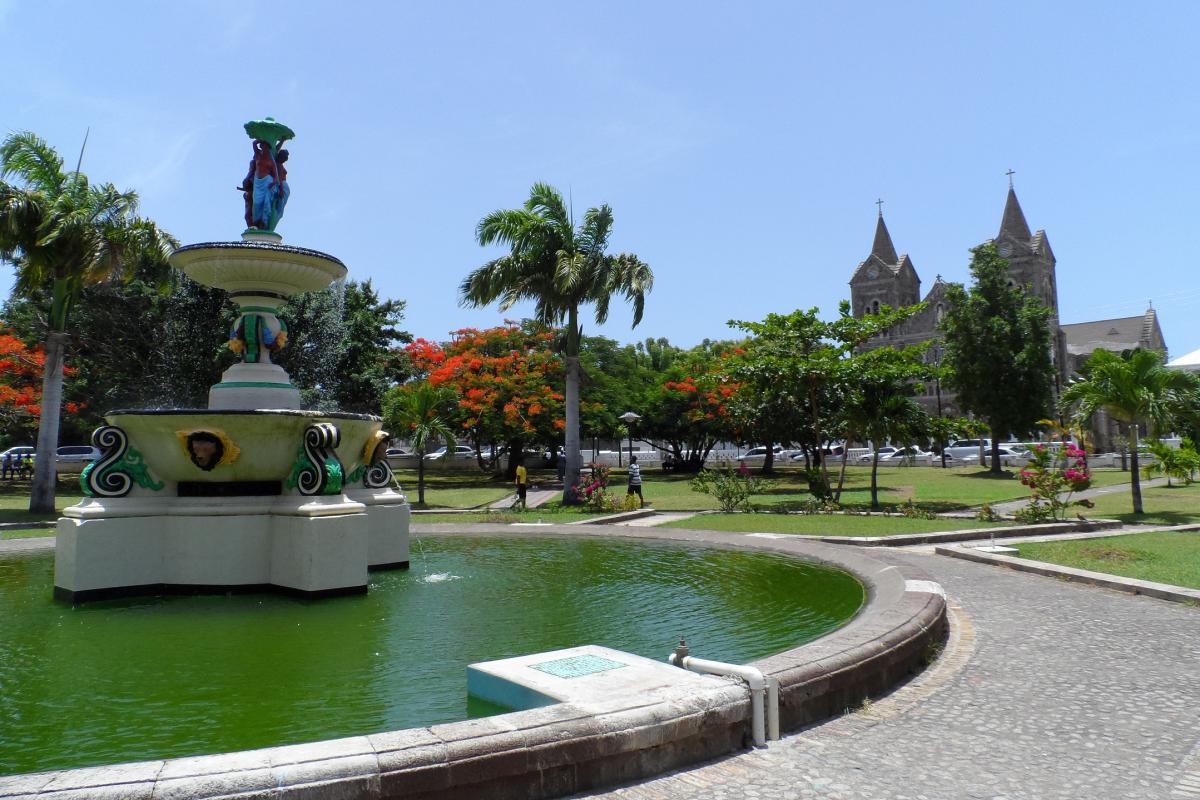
(308, 546)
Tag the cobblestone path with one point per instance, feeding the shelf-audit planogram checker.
(1046, 690)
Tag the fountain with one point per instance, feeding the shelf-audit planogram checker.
(251, 493)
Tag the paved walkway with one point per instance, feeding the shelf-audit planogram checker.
(533, 499)
(1012, 506)
(1046, 690)
(657, 519)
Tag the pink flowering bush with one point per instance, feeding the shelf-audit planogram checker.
(1052, 481)
(593, 490)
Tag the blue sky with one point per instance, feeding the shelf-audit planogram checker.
(741, 146)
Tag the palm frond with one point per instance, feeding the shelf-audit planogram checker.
(547, 202)
(30, 158)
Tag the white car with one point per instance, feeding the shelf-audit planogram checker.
(884, 452)
(77, 454)
(967, 449)
(903, 454)
(18, 452)
(461, 453)
(760, 453)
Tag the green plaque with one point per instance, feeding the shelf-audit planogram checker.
(577, 666)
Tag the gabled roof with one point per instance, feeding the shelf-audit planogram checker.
(937, 291)
(906, 266)
(1041, 245)
(1116, 335)
(1013, 225)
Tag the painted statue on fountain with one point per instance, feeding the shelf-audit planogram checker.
(265, 189)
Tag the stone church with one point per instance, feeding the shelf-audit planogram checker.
(885, 278)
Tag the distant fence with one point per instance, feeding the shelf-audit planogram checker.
(653, 459)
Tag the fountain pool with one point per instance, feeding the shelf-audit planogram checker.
(124, 680)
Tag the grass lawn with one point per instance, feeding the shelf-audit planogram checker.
(505, 517)
(1177, 505)
(14, 499)
(457, 488)
(1166, 557)
(933, 489)
(26, 533)
(824, 524)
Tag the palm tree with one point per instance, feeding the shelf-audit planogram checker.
(560, 269)
(424, 412)
(59, 230)
(893, 415)
(1133, 387)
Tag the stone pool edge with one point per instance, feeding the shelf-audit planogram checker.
(565, 748)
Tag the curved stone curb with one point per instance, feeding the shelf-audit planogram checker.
(1162, 591)
(564, 748)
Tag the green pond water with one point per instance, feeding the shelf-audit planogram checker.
(173, 676)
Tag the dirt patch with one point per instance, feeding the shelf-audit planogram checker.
(1101, 552)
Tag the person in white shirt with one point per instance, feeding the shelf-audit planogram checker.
(635, 480)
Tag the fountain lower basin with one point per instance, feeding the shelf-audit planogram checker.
(204, 500)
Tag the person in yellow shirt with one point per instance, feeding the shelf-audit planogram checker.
(522, 485)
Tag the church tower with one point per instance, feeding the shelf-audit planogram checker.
(1031, 266)
(883, 278)
(1030, 259)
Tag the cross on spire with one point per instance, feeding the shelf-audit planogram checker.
(879, 203)
(1010, 173)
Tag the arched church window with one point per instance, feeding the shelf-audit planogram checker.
(875, 307)
(940, 312)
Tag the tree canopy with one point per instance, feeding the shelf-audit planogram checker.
(998, 350)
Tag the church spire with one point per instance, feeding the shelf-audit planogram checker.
(1014, 226)
(882, 248)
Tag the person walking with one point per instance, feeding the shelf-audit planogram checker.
(7, 470)
(635, 480)
(522, 485)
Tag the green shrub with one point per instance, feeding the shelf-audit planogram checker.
(731, 490)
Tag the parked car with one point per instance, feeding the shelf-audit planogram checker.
(75, 456)
(461, 453)
(397, 452)
(760, 453)
(884, 452)
(967, 449)
(20, 451)
(834, 453)
(904, 453)
(1011, 455)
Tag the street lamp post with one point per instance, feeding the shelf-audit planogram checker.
(629, 418)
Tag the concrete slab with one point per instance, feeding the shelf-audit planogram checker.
(588, 675)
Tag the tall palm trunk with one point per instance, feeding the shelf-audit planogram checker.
(421, 478)
(995, 454)
(41, 498)
(1135, 482)
(571, 475)
(874, 478)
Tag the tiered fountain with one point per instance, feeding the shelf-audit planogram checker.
(253, 492)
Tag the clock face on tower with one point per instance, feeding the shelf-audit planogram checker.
(1005, 250)
(872, 272)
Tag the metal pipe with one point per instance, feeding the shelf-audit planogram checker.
(764, 693)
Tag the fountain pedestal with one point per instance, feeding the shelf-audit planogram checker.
(250, 494)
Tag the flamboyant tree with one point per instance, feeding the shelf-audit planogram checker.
(505, 380)
(689, 411)
(20, 386)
